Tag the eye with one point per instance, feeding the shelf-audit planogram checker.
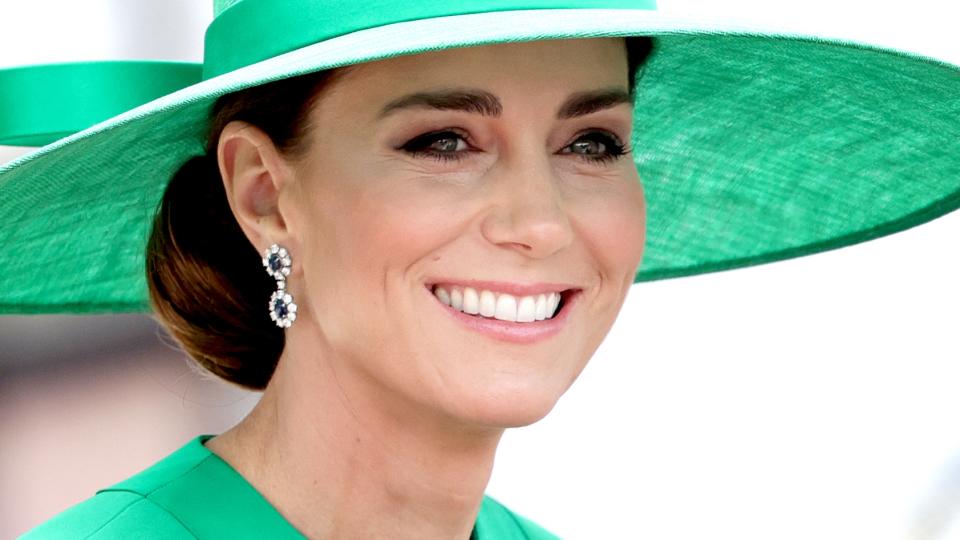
(597, 147)
(449, 145)
(443, 145)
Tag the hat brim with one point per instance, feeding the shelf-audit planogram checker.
(753, 146)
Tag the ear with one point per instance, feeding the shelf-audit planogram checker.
(254, 174)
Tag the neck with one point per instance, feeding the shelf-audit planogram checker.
(340, 458)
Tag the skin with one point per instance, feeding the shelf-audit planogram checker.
(384, 414)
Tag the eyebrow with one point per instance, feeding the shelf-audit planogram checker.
(487, 104)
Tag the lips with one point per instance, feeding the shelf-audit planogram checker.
(498, 305)
(509, 331)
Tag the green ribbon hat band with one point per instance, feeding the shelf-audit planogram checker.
(246, 32)
(44, 103)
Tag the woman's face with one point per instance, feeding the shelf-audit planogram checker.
(496, 168)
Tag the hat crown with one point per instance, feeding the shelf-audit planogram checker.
(219, 6)
(245, 32)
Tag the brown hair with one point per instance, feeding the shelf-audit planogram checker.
(206, 281)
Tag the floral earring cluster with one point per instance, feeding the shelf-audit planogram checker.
(277, 262)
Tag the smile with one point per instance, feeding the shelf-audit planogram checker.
(522, 315)
(499, 305)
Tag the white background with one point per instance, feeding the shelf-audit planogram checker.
(812, 398)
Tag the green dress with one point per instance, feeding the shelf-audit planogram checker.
(192, 493)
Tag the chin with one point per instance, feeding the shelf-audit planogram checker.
(515, 408)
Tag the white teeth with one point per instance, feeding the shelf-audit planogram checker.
(506, 308)
(488, 304)
(554, 302)
(526, 311)
(471, 302)
(541, 311)
(442, 295)
(501, 306)
(456, 299)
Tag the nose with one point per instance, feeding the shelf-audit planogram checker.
(527, 213)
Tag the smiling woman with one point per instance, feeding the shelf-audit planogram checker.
(197, 235)
(411, 227)
(490, 180)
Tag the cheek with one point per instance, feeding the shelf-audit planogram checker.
(396, 229)
(375, 243)
(614, 223)
(364, 233)
(389, 215)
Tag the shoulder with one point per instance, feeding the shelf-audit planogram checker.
(191, 493)
(131, 509)
(111, 514)
(496, 521)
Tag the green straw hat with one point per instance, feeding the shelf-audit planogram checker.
(753, 146)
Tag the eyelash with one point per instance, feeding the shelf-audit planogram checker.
(416, 146)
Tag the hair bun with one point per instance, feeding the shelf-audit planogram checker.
(206, 280)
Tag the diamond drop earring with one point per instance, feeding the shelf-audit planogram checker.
(277, 261)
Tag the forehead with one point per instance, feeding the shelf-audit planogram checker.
(548, 68)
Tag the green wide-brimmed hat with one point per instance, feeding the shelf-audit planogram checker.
(753, 146)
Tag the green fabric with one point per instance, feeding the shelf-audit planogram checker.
(192, 493)
(111, 514)
(744, 164)
(246, 33)
(41, 104)
(751, 147)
